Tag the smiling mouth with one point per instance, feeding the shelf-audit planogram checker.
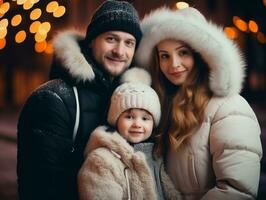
(114, 59)
(177, 73)
(135, 132)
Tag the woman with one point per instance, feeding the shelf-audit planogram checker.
(209, 135)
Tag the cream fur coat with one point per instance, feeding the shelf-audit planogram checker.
(112, 170)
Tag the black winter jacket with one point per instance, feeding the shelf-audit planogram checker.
(48, 160)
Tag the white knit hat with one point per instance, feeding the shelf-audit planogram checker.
(134, 95)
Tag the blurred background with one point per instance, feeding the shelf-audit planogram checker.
(27, 28)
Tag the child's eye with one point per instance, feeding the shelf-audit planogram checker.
(146, 118)
(129, 117)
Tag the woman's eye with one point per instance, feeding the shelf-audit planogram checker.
(164, 56)
(184, 52)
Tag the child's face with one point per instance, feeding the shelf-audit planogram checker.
(135, 125)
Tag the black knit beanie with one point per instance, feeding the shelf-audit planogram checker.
(114, 16)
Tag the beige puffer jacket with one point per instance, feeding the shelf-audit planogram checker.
(222, 159)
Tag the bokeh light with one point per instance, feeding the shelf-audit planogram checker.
(28, 5)
(40, 37)
(52, 6)
(2, 43)
(231, 32)
(49, 48)
(40, 46)
(16, 20)
(20, 36)
(240, 24)
(181, 5)
(59, 12)
(21, 2)
(44, 28)
(35, 14)
(4, 8)
(34, 26)
(253, 27)
(261, 37)
(3, 32)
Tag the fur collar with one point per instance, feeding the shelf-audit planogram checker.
(226, 64)
(68, 52)
(111, 140)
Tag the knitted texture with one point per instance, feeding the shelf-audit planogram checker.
(114, 16)
(134, 95)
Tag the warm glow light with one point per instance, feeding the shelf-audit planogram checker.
(52, 6)
(3, 23)
(231, 32)
(3, 32)
(40, 46)
(181, 5)
(40, 37)
(253, 27)
(4, 7)
(49, 48)
(16, 20)
(2, 43)
(34, 1)
(264, 2)
(44, 28)
(28, 5)
(34, 26)
(240, 24)
(21, 2)
(35, 14)
(261, 37)
(59, 12)
(20, 36)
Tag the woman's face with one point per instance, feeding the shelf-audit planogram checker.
(176, 60)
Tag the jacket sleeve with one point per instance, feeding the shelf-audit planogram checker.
(100, 178)
(236, 151)
(44, 141)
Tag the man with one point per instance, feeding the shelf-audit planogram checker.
(49, 152)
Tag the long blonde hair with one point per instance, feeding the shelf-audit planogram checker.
(183, 109)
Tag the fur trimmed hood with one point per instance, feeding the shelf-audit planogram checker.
(68, 51)
(101, 137)
(227, 67)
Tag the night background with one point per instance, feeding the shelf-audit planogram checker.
(27, 28)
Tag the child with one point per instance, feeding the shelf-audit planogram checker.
(115, 166)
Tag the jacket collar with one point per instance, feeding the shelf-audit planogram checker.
(68, 52)
(100, 137)
(79, 66)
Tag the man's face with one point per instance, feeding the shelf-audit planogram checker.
(114, 50)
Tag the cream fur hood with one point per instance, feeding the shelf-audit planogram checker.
(68, 51)
(113, 141)
(223, 57)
